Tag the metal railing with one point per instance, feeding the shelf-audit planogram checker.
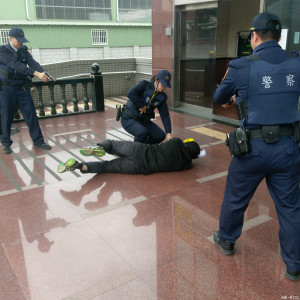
(40, 86)
(53, 93)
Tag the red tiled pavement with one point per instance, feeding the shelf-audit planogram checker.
(114, 236)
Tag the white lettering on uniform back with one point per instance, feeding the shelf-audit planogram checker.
(266, 81)
(289, 80)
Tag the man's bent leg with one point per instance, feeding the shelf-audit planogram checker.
(122, 148)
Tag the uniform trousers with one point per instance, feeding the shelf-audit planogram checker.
(127, 162)
(145, 132)
(10, 97)
(279, 164)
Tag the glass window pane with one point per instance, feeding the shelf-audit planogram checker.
(84, 9)
(59, 13)
(89, 3)
(49, 13)
(69, 3)
(124, 3)
(58, 3)
(78, 3)
(134, 4)
(79, 14)
(70, 13)
(39, 14)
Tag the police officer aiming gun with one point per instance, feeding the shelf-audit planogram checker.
(266, 86)
(16, 66)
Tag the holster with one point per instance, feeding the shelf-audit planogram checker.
(150, 115)
(119, 108)
(242, 109)
(28, 83)
(238, 142)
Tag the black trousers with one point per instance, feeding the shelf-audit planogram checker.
(10, 97)
(143, 132)
(128, 161)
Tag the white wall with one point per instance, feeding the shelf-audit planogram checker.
(45, 56)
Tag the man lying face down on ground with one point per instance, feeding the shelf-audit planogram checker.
(137, 158)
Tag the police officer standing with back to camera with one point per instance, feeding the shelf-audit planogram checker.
(17, 67)
(144, 98)
(266, 87)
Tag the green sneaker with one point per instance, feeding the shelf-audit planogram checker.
(70, 165)
(92, 150)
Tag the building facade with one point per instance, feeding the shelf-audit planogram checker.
(197, 39)
(62, 30)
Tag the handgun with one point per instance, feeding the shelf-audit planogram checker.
(50, 76)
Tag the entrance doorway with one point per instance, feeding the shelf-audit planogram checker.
(195, 48)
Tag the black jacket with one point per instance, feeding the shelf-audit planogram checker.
(172, 155)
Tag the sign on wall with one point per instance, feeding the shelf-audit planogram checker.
(283, 40)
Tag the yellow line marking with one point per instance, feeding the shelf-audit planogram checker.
(111, 103)
(210, 132)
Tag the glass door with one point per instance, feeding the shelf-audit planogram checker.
(195, 53)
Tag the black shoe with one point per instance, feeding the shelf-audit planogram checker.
(43, 146)
(226, 247)
(7, 149)
(294, 276)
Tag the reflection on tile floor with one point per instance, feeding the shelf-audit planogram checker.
(114, 236)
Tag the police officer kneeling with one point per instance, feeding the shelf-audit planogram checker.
(266, 87)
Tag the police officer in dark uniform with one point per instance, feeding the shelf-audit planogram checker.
(144, 98)
(17, 67)
(266, 88)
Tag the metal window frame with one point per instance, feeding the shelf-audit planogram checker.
(99, 37)
(4, 35)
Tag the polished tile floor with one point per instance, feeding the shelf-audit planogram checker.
(113, 236)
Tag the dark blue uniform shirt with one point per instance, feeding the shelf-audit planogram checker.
(141, 95)
(8, 58)
(237, 79)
